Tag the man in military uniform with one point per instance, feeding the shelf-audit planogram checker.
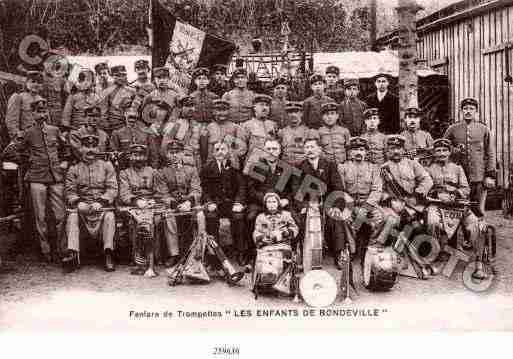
(137, 188)
(91, 187)
(115, 100)
(218, 84)
(416, 139)
(179, 187)
(332, 84)
(89, 127)
(387, 105)
(333, 138)
(474, 151)
(142, 85)
(352, 109)
(56, 89)
(362, 182)
(312, 116)
(73, 115)
(450, 184)
(222, 129)
(240, 98)
(164, 92)
(41, 144)
(135, 131)
(278, 104)
(224, 193)
(376, 139)
(188, 132)
(102, 74)
(202, 97)
(260, 128)
(294, 135)
(18, 116)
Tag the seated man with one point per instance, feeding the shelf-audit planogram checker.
(224, 192)
(319, 178)
(450, 184)
(137, 188)
(178, 186)
(90, 186)
(361, 180)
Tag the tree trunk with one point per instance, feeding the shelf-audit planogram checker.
(408, 81)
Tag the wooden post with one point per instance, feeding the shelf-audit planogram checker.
(408, 81)
(373, 21)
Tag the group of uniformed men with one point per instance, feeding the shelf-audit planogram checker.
(226, 150)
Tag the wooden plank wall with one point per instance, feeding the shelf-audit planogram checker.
(472, 73)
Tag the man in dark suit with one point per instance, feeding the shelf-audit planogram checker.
(224, 193)
(387, 104)
(320, 182)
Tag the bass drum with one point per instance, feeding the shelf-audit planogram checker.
(379, 268)
(318, 288)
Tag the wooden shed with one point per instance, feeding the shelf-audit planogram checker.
(471, 42)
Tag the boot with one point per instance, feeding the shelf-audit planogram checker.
(109, 263)
(70, 262)
(480, 273)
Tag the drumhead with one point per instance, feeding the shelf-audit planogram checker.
(9, 166)
(318, 288)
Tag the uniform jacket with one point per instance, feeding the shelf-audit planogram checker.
(99, 88)
(478, 159)
(227, 185)
(122, 139)
(292, 141)
(362, 181)
(142, 89)
(256, 132)
(325, 174)
(186, 132)
(267, 223)
(227, 130)
(449, 178)
(91, 182)
(335, 92)
(176, 184)
(75, 140)
(169, 96)
(19, 114)
(135, 184)
(73, 113)
(56, 91)
(377, 145)
(219, 88)
(410, 175)
(312, 110)
(42, 144)
(334, 141)
(241, 104)
(115, 100)
(388, 111)
(203, 105)
(417, 140)
(265, 181)
(351, 115)
(278, 113)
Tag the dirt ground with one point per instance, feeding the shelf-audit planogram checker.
(39, 297)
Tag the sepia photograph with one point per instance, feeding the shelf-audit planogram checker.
(256, 167)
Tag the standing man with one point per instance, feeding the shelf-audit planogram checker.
(142, 85)
(376, 139)
(115, 100)
(73, 115)
(102, 75)
(89, 127)
(387, 104)
(332, 84)
(56, 89)
(416, 139)
(164, 92)
(44, 174)
(352, 109)
(312, 116)
(474, 151)
(218, 84)
(240, 98)
(332, 137)
(91, 185)
(279, 102)
(18, 116)
(203, 99)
